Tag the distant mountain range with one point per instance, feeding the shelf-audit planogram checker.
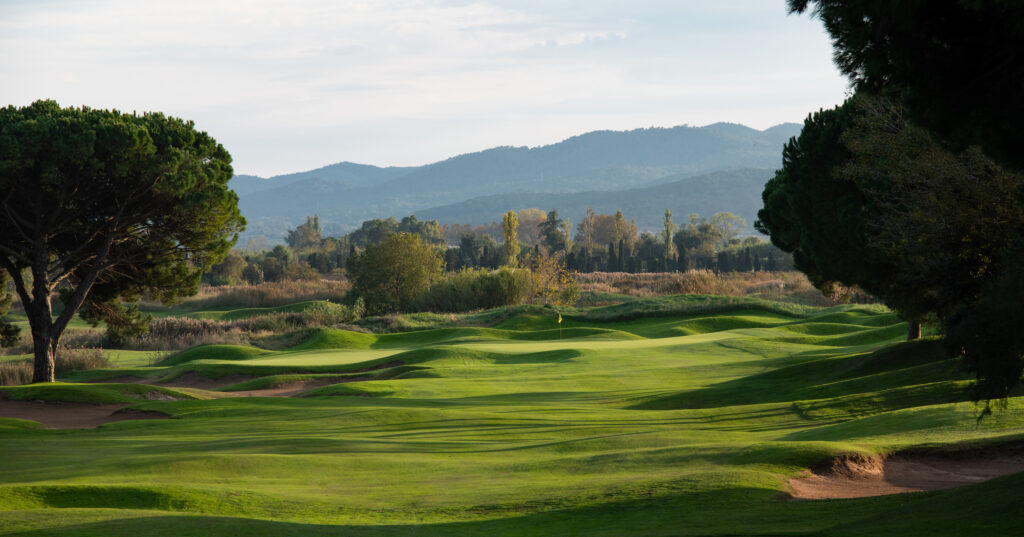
(735, 191)
(720, 167)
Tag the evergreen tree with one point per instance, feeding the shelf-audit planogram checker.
(101, 207)
(510, 232)
(553, 233)
(954, 65)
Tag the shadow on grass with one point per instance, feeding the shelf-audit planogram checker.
(990, 508)
(896, 368)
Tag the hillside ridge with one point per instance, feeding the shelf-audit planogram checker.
(345, 194)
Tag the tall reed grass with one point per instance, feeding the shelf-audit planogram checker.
(262, 295)
(176, 333)
(67, 359)
(781, 286)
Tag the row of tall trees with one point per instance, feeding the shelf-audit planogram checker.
(602, 242)
(611, 244)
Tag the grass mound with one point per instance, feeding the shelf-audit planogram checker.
(15, 423)
(329, 338)
(155, 498)
(347, 390)
(213, 352)
(245, 313)
(97, 394)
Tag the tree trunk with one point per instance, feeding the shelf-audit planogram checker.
(44, 362)
(913, 330)
(44, 338)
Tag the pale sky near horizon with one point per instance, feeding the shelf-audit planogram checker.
(292, 86)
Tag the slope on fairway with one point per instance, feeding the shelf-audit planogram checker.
(650, 424)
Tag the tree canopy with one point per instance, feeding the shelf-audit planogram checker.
(101, 206)
(955, 65)
(510, 232)
(815, 215)
(956, 70)
(306, 236)
(865, 198)
(555, 232)
(390, 274)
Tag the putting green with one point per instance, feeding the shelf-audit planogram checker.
(652, 426)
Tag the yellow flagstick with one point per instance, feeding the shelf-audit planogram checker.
(559, 326)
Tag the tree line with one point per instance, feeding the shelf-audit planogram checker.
(599, 243)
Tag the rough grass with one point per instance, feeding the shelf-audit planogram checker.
(671, 416)
(264, 295)
(779, 286)
(66, 360)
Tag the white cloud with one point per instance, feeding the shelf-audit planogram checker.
(294, 85)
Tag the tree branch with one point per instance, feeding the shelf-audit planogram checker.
(72, 306)
(19, 282)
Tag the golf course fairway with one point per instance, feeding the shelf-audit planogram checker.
(665, 423)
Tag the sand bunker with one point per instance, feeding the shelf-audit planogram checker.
(72, 415)
(855, 476)
(292, 389)
(193, 380)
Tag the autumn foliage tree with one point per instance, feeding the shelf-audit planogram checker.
(98, 206)
(510, 232)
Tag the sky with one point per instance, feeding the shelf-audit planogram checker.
(292, 86)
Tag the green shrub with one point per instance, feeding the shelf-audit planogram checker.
(471, 289)
(390, 275)
(330, 314)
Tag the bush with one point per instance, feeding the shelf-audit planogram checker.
(330, 314)
(391, 274)
(471, 289)
(552, 283)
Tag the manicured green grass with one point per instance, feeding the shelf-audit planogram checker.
(674, 416)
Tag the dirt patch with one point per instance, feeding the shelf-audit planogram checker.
(292, 389)
(72, 415)
(856, 476)
(194, 380)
